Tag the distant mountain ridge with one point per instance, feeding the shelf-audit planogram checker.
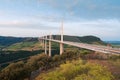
(6, 41)
(113, 42)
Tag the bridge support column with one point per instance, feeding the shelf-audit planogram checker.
(42, 42)
(50, 45)
(61, 48)
(61, 44)
(45, 45)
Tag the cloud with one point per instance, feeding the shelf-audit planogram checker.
(103, 28)
(28, 25)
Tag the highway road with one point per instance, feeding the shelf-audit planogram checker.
(93, 47)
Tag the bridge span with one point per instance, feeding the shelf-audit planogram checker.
(93, 47)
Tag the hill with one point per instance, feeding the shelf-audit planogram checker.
(29, 43)
(26, 45)
(83, 39)
(7, 41)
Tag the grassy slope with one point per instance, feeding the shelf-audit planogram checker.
(112, 63)
(31, 45)
(84, 39)
(117, 46)
(114, 43)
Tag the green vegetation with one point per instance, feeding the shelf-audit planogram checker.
(114, 43)
(31, 45)
(13, 71)
(8, 41)
(114, 60)
(15, 56)
(7, 56)
(71, 67)
(77, 70)
(5, 41)
(84, 39)
(23, 69)
(20, 70)
(27, 43)
(117, 46)
(21, 45)
(38, 61)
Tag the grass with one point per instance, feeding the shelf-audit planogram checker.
(77, 70)
(117, 46)
(1, 46)
(24, 46)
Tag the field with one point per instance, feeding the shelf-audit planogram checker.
(117, 46)
(33, 45)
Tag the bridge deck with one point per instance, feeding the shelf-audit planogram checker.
(98, 48)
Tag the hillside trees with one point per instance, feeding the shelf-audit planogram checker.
(13, 71)
(7, 56)
(24, 69)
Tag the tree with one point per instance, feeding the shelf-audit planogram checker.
(13, 71)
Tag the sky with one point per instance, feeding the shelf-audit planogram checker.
(34, 18)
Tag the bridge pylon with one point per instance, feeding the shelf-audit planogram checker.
(45, 45)
(50, 45)
(61, 43)
(42, 42)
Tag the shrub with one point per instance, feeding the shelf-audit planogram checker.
(13, 72)
(77, 70)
